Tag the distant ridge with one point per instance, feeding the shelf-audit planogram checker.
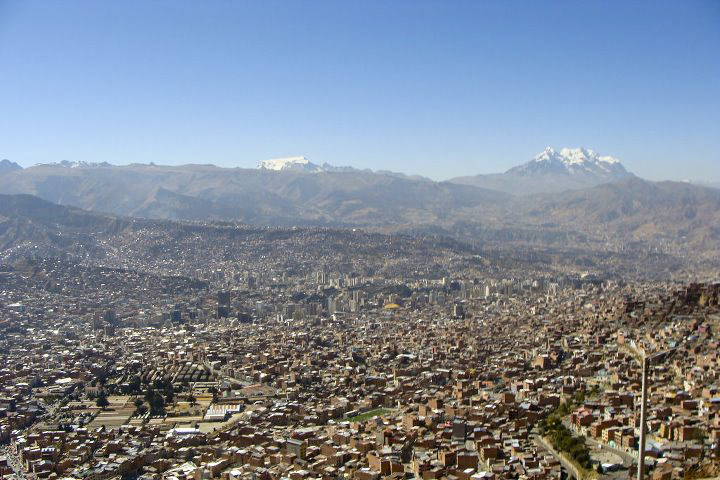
(258, 196)
(7, 166)
(676, 215)
(615, 205)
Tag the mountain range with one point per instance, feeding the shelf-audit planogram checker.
(256, 196)
(570, 190)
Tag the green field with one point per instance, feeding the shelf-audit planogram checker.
(367, 415)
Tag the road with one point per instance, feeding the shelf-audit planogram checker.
(569, 467)
(222, 376)
(13, 460)
(626, 457)
(14, 463)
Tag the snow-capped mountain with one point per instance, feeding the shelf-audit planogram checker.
(553, 171)
(298, 164)
(575, 161)
(75, 164)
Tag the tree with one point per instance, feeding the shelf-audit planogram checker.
(149, 394)
(191, 399)
(157, 404)
(169, 395)
(102, 400)
(134, 384)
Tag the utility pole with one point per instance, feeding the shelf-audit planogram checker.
(647, 361)
(643, 418)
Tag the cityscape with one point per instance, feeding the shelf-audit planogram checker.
(360, 240)
(319, 353)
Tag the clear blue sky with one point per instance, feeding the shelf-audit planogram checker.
(438, 88)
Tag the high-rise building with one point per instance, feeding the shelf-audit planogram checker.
(223, 298)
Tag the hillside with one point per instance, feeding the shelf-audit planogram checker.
(669, 215)
(672, 212)
(260, 196)
(30, 225)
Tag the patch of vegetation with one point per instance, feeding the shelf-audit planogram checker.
(102, 400)
(378, 412)
(563, 440)
(577, 400)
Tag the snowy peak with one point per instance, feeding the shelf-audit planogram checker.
(301, 164)
(584, 155)
(553, 171)
(80, 164)
(573, 156)
(572, 161)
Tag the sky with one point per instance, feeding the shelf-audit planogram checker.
(436, 88)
